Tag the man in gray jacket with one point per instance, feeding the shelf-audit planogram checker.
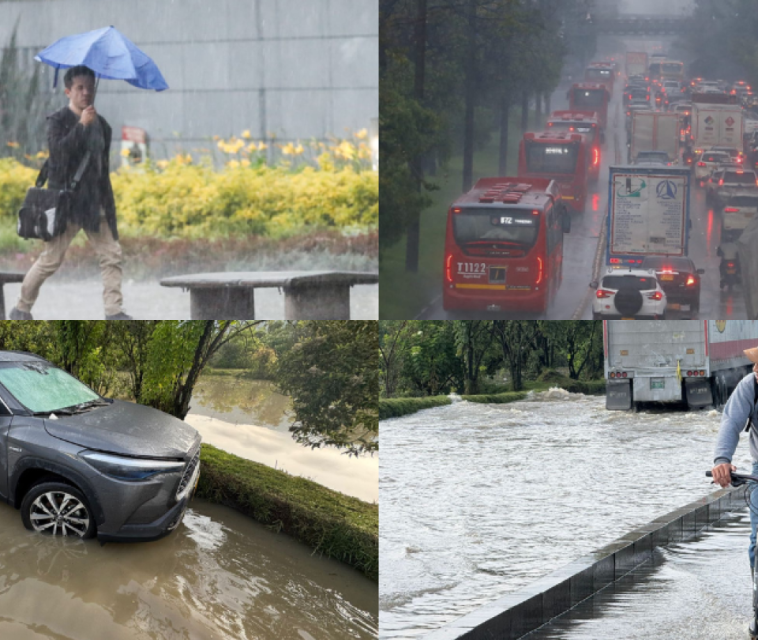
(740, 408)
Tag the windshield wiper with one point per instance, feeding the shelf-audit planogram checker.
(66, 412)
(86, 406)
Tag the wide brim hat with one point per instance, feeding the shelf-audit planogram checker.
(752, 354)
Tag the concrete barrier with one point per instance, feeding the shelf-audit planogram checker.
(516, 614)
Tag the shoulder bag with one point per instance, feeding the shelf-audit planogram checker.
(44, 213)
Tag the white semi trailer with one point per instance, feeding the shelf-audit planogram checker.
(697, 362)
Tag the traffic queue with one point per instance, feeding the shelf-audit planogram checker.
(504, 241)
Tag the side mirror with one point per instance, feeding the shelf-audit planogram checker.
(700, 272)
(566, 221)
(593, 284)
(602, 137)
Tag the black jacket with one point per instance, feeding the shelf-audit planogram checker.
(66, 139)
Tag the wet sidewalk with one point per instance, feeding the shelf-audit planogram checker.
(699, 590)
(61, 299)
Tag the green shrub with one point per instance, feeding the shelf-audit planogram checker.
(498, 398)
(396, 407)
(336, 525)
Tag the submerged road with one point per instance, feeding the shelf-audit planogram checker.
(699, 590)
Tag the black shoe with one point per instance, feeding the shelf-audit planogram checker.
(119, 316)
(752, 630)
(17, 314)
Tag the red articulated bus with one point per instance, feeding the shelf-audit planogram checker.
(602, 72)
(561, 156)
(590, 96)
(504, 246)
(585, 122)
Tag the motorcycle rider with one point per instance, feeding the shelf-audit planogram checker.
(728, 253)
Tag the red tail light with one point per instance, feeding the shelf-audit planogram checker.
(701, 164)
(448, 272)
(656, 295)
(602, 293)
(615, 260)
(731, 210)
(595, 156)
(539, 277)
(721, 182)
(730, 265)
(690, 280)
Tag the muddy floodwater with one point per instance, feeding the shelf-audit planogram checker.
(479, 500)
(220, 575)
(250, 419)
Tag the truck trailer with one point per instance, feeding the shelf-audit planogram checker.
(648, 213)
(696, 362)
(655, 131)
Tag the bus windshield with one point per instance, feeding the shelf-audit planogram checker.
(589, 97)
(551, 157)
(503, 226)
(578, 127)
(598, 75)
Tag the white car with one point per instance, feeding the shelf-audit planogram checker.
(739, 209)
(707, 162)
(628, 294)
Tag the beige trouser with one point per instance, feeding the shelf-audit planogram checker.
(107, 249)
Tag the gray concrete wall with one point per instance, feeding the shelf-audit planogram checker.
(523, 611)
(298, 69)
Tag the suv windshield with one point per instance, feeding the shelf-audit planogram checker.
(42, 388)
(739, 177)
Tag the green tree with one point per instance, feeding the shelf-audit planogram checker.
(329, 369)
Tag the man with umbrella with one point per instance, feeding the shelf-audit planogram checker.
(79, 142)
(79, 137)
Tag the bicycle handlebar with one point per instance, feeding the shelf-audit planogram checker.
(738, 479)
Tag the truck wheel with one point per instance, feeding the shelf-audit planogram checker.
(628, 301)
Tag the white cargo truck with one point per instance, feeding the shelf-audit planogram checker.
(636, 63)
(696, 362)
(654, 131)
(716, 125)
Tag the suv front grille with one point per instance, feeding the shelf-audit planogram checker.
(188, 471)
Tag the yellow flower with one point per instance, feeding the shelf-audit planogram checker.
(232, 164)
(221, 144)
(246, 134)
(362, 134)
(288, 149)
(298, 149)
(14, 145)
(162, 164)
(124, 153)
(262, 146)
(245, 162)
(43, 154)
(251, 147)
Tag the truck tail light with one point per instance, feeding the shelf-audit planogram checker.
(731, 210)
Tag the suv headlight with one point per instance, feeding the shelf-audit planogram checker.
(129, 468)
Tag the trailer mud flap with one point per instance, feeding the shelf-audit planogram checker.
(618, 395)
(698, 392)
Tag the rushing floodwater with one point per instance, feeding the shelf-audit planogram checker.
(479, 500)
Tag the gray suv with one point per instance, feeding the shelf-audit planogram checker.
(78, 464)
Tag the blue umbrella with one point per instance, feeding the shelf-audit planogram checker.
(109, 54)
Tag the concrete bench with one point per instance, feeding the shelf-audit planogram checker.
(308, 295)
(5, 278)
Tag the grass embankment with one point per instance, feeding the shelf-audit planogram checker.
(336, 525)
(548, 380)
(404, 295)
(396, 407)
